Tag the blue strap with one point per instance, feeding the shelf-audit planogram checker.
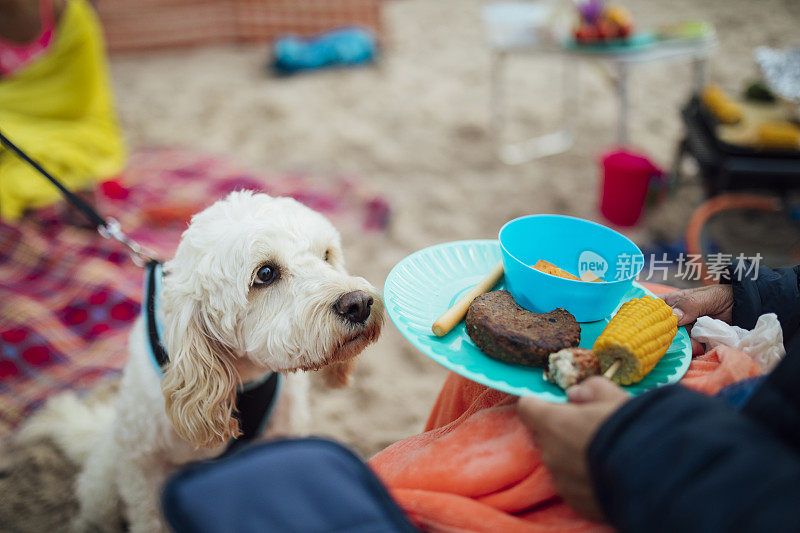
(150, 313)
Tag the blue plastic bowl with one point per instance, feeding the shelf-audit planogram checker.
(574, 245)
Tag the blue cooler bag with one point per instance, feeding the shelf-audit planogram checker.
(344, 47)
(303, 485)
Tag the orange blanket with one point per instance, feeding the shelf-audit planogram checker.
(476, 467)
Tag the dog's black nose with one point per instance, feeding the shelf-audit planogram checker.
(354, 306)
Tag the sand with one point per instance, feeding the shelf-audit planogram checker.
(416, 127)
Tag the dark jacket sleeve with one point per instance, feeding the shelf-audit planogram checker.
(763, 290)
(776, 403)
(674, 460)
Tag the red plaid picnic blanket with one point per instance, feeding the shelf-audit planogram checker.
(68, 296)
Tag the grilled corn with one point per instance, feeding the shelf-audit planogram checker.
(639, 336)
(778, 135)
(724, 108)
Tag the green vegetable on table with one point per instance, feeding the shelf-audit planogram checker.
(758, 92)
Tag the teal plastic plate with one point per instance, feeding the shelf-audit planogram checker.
(425, 284)
(635, 43)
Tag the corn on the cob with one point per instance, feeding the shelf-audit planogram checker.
(778, 135)
(726, 109)
(639, 336)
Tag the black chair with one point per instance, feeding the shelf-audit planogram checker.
(725, 167)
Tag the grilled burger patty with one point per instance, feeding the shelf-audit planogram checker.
(505, 331)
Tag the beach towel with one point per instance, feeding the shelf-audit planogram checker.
(68, 297)
(476, 467)
(59, 110)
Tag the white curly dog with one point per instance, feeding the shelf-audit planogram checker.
(257, 285)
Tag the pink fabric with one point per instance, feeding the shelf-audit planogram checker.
(477, 468)
(14, 56)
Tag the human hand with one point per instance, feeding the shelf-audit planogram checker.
(715, 301)
(563, 433)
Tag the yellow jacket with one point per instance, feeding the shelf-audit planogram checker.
(59, 110)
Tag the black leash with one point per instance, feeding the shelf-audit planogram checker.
(108, 228)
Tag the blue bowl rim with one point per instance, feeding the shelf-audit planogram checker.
(606, 228)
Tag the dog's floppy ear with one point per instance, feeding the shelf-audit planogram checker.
(338, 375)
(200, 381)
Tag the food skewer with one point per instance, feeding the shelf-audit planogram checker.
(571, 366)
(609, 373)
(629, 347)
(637, 337)
(445, 323)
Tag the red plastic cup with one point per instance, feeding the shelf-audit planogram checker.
(626, 178)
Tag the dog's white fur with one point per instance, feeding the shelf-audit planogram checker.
(220, 330)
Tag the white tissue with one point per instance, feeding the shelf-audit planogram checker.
(764, 343)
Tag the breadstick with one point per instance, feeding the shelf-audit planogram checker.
(455, 314)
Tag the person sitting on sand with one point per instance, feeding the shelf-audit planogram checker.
(676, 460)
(55, 102)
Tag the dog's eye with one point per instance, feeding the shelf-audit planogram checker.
(328, 255)
(266, 275)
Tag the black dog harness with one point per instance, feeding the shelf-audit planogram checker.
(254, 400)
